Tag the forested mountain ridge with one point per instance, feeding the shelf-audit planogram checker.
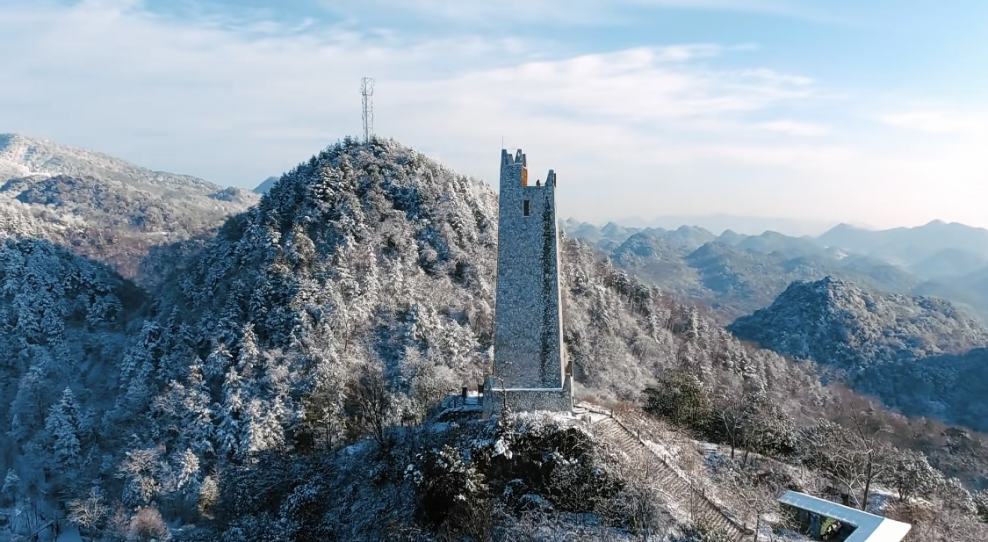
(368, 267)
(352, 298)
(910, 246)
(22, 156)
(836, 323)
(931, 251)
(67, 322)
(736, 279)
(736, 274)
(972, 287)
(104, 207)
(921, 355)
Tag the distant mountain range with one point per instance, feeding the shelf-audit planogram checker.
(736, 273)
(751, 225)
(104, 207)
(957, 248)
(266, 186)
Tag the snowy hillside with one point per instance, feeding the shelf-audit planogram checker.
(836, 323)
(67, 322)
(21, 156)
(920, 355)
(366, 268)
(274, 382)
(104, 207)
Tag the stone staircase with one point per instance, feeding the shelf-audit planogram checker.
(673, 484)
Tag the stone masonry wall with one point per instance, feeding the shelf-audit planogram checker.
(528, 349)
(518, 400)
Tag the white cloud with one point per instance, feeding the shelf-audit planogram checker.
(632, 86)
(555, 12)
(934, 122)
(645, 130)
(795, 128)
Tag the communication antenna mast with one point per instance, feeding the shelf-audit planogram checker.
(367, 91)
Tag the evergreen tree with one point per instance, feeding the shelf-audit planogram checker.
(11, 487)
(62, 425)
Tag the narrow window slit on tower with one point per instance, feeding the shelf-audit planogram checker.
(525, 206)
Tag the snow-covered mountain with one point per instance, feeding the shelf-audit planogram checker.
(919, 354)
(367, 265)
(22, 156)
(104, 207)
(836, 323)
(736, 279)
(736, 274)
(265, 186)
(264, 387)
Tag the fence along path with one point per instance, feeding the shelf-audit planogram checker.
(705, 511)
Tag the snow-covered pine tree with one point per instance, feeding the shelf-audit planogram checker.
(62, 424)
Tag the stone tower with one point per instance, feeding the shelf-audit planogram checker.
(529, 360)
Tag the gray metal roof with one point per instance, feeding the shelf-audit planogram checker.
(869, 527)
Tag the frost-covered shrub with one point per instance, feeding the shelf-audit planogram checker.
(147, 526)
(536, 457)
(301, 514)
(682, 398)
(911, 475)
(981, 504)
(955, 496)
(451, 490)
(90, 512)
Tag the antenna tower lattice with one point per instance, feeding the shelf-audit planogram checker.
(367, 91)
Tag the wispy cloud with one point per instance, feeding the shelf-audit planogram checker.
(631, 86)
(696, 127)
(110, 63)
(551, 13)
(795, 128)
(934, 122)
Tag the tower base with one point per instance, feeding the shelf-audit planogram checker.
(527, 399)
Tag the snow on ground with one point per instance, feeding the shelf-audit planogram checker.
(357, 447)
(879, 498)
(665, 453)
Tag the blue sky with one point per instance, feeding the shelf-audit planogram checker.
(866, 112)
